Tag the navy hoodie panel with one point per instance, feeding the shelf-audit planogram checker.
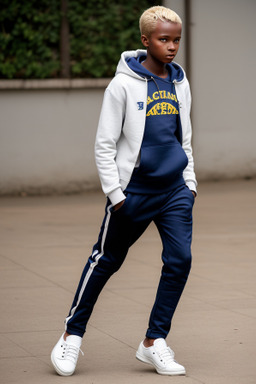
(162, 159)
(175, 71)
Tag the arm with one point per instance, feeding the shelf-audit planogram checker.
(188, 174)
(108, 134)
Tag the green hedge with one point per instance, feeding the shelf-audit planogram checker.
(99, 32)
(29, 39)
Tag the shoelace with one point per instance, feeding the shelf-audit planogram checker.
(166, 355)
(71, 352)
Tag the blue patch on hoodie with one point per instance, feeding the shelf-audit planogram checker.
(140, 105)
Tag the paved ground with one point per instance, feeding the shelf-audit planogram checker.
(44, 244)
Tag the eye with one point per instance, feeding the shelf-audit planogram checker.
(163, 39)
(177, 40)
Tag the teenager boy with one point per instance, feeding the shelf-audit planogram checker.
(144, 158)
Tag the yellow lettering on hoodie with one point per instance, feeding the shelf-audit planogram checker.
(161, 95)
(149, 100)
(162, 109)
(155, 95)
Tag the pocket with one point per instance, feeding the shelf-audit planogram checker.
(162, 162)
(191, 196)
(121, 208)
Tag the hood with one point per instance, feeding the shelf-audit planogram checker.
(130, 64)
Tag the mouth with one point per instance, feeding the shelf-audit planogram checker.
(170, 57)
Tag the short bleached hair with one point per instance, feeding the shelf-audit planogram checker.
(150, 17)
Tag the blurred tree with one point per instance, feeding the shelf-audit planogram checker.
(62, 38)
(99, 31)
(29, 38)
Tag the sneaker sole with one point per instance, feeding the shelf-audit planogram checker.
(146, 361)
(57, 369)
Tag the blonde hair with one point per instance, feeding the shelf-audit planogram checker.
(150, 17)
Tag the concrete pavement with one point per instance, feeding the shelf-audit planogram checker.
(45, 242)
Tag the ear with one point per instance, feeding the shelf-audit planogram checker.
(144, 40)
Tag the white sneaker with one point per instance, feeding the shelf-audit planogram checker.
(65, 354)
(161, 357)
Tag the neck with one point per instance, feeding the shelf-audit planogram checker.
(157, 68)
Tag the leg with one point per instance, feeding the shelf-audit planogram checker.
(174, 224)
(119, 231)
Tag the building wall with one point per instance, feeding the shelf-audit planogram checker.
(47, 140)
(47, 132)
(223, 62)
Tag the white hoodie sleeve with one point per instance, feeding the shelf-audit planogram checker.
(108, 134)
(184, 96)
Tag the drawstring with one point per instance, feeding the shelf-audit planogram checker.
(152, 78)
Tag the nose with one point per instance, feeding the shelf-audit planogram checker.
(171, 46)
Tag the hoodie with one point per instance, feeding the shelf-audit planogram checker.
(162, 159)
(121, 126)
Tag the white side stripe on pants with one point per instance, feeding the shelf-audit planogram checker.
(92, 266)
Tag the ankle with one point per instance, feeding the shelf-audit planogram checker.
(148, 342)
(66, 335)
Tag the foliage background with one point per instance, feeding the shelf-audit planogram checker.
(99, 31)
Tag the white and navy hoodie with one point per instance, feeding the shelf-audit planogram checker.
(143, 141)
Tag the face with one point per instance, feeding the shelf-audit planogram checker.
(164, 41)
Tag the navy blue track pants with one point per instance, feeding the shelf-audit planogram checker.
(172, 214)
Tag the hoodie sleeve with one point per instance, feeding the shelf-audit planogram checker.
(108, 134)
(184, 97)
